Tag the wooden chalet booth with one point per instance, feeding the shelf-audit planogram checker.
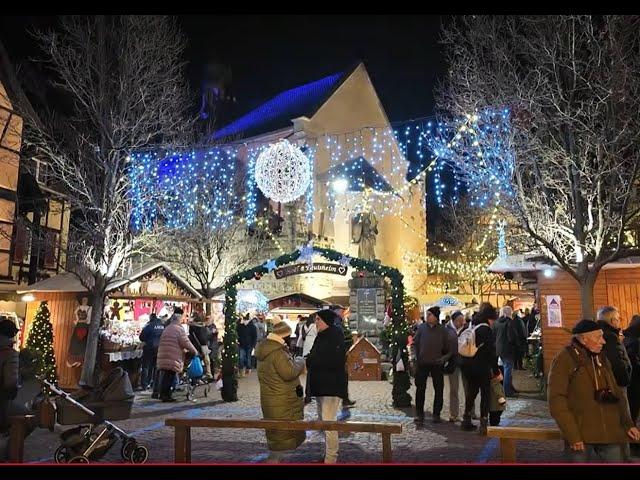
(363, 361)
(288, 307)
(154, 288)
(558, 296)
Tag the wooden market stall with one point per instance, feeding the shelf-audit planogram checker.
(558, 295)
(618, 285)
(154, 288)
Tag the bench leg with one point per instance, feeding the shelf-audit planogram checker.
(508, 450)
(386, 448)
(17, 432)
(182, 445)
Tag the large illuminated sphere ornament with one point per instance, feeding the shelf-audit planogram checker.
(282, 172)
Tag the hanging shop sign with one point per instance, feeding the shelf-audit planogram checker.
(302, 268)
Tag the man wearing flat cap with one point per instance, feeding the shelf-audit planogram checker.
(586, 402)
(328, 377)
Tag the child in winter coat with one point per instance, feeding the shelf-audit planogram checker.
(497, 400)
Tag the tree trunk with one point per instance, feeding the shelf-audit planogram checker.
(586, 295)
(88, 376)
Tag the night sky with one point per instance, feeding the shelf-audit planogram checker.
(271, 53)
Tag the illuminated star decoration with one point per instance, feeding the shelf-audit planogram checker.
(345, 260)
(270, 265)
(306, 253)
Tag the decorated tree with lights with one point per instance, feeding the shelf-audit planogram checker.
(465, 243)
(40, 344)
(544, 119)
(122, 85)
(199, 227)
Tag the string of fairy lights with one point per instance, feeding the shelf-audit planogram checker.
(364, 170)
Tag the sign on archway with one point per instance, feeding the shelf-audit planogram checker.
(399, 331)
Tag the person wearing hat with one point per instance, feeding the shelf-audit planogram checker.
(8, 370)
(280, 390)
(632, 345)
(431, 351)
(586, 402)
(477, 371)
(328, 376)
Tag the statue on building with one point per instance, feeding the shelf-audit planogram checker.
(364, 229)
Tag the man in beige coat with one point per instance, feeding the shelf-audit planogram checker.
(173, 342)
(586, 402)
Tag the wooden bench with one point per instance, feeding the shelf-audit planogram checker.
(19, 426)
(183, 428)
(509, 435)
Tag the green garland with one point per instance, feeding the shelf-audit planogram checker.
(399, 333)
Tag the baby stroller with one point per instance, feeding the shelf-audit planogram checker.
(192, 379)
(113, 400)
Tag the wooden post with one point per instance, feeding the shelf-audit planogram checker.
(17, 432)
(508, 450)
(182, 445)
(386, 448)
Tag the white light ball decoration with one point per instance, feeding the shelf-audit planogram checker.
(283, 172)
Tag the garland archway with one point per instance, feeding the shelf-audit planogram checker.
(399, 330)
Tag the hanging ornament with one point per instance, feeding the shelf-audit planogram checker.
(270, 265)
(282, 172)
(257, 275)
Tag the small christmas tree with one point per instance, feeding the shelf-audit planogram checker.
(40, 343)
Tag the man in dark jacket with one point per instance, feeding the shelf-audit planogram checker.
(506, 333)
(478, 370)
(247, 338)
(609, 321)
(8, 371)
(150, 335)
(328, 377)
(632, 345)
(339, 310)
(431, 346)
(199, 335)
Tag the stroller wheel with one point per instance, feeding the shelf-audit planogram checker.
(79, 459)
(127, 449)
(61, 454)
(139, 454)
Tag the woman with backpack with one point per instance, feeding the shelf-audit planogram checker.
(479, 363)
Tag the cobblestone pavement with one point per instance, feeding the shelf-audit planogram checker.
(443, 442)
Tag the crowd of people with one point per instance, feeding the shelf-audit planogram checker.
(593, 384)
(165, 343)
(479, 351)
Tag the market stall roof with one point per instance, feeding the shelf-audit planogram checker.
(532, 262)
(149, 268)
(296, 301)
(64, 282)
(68, 282)
(448, 301)
(529, 262)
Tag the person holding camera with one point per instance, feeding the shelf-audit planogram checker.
(280, 390)
(586, 402)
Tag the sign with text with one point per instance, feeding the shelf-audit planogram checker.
(302, 268)
(367, 309)
(554, 311)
